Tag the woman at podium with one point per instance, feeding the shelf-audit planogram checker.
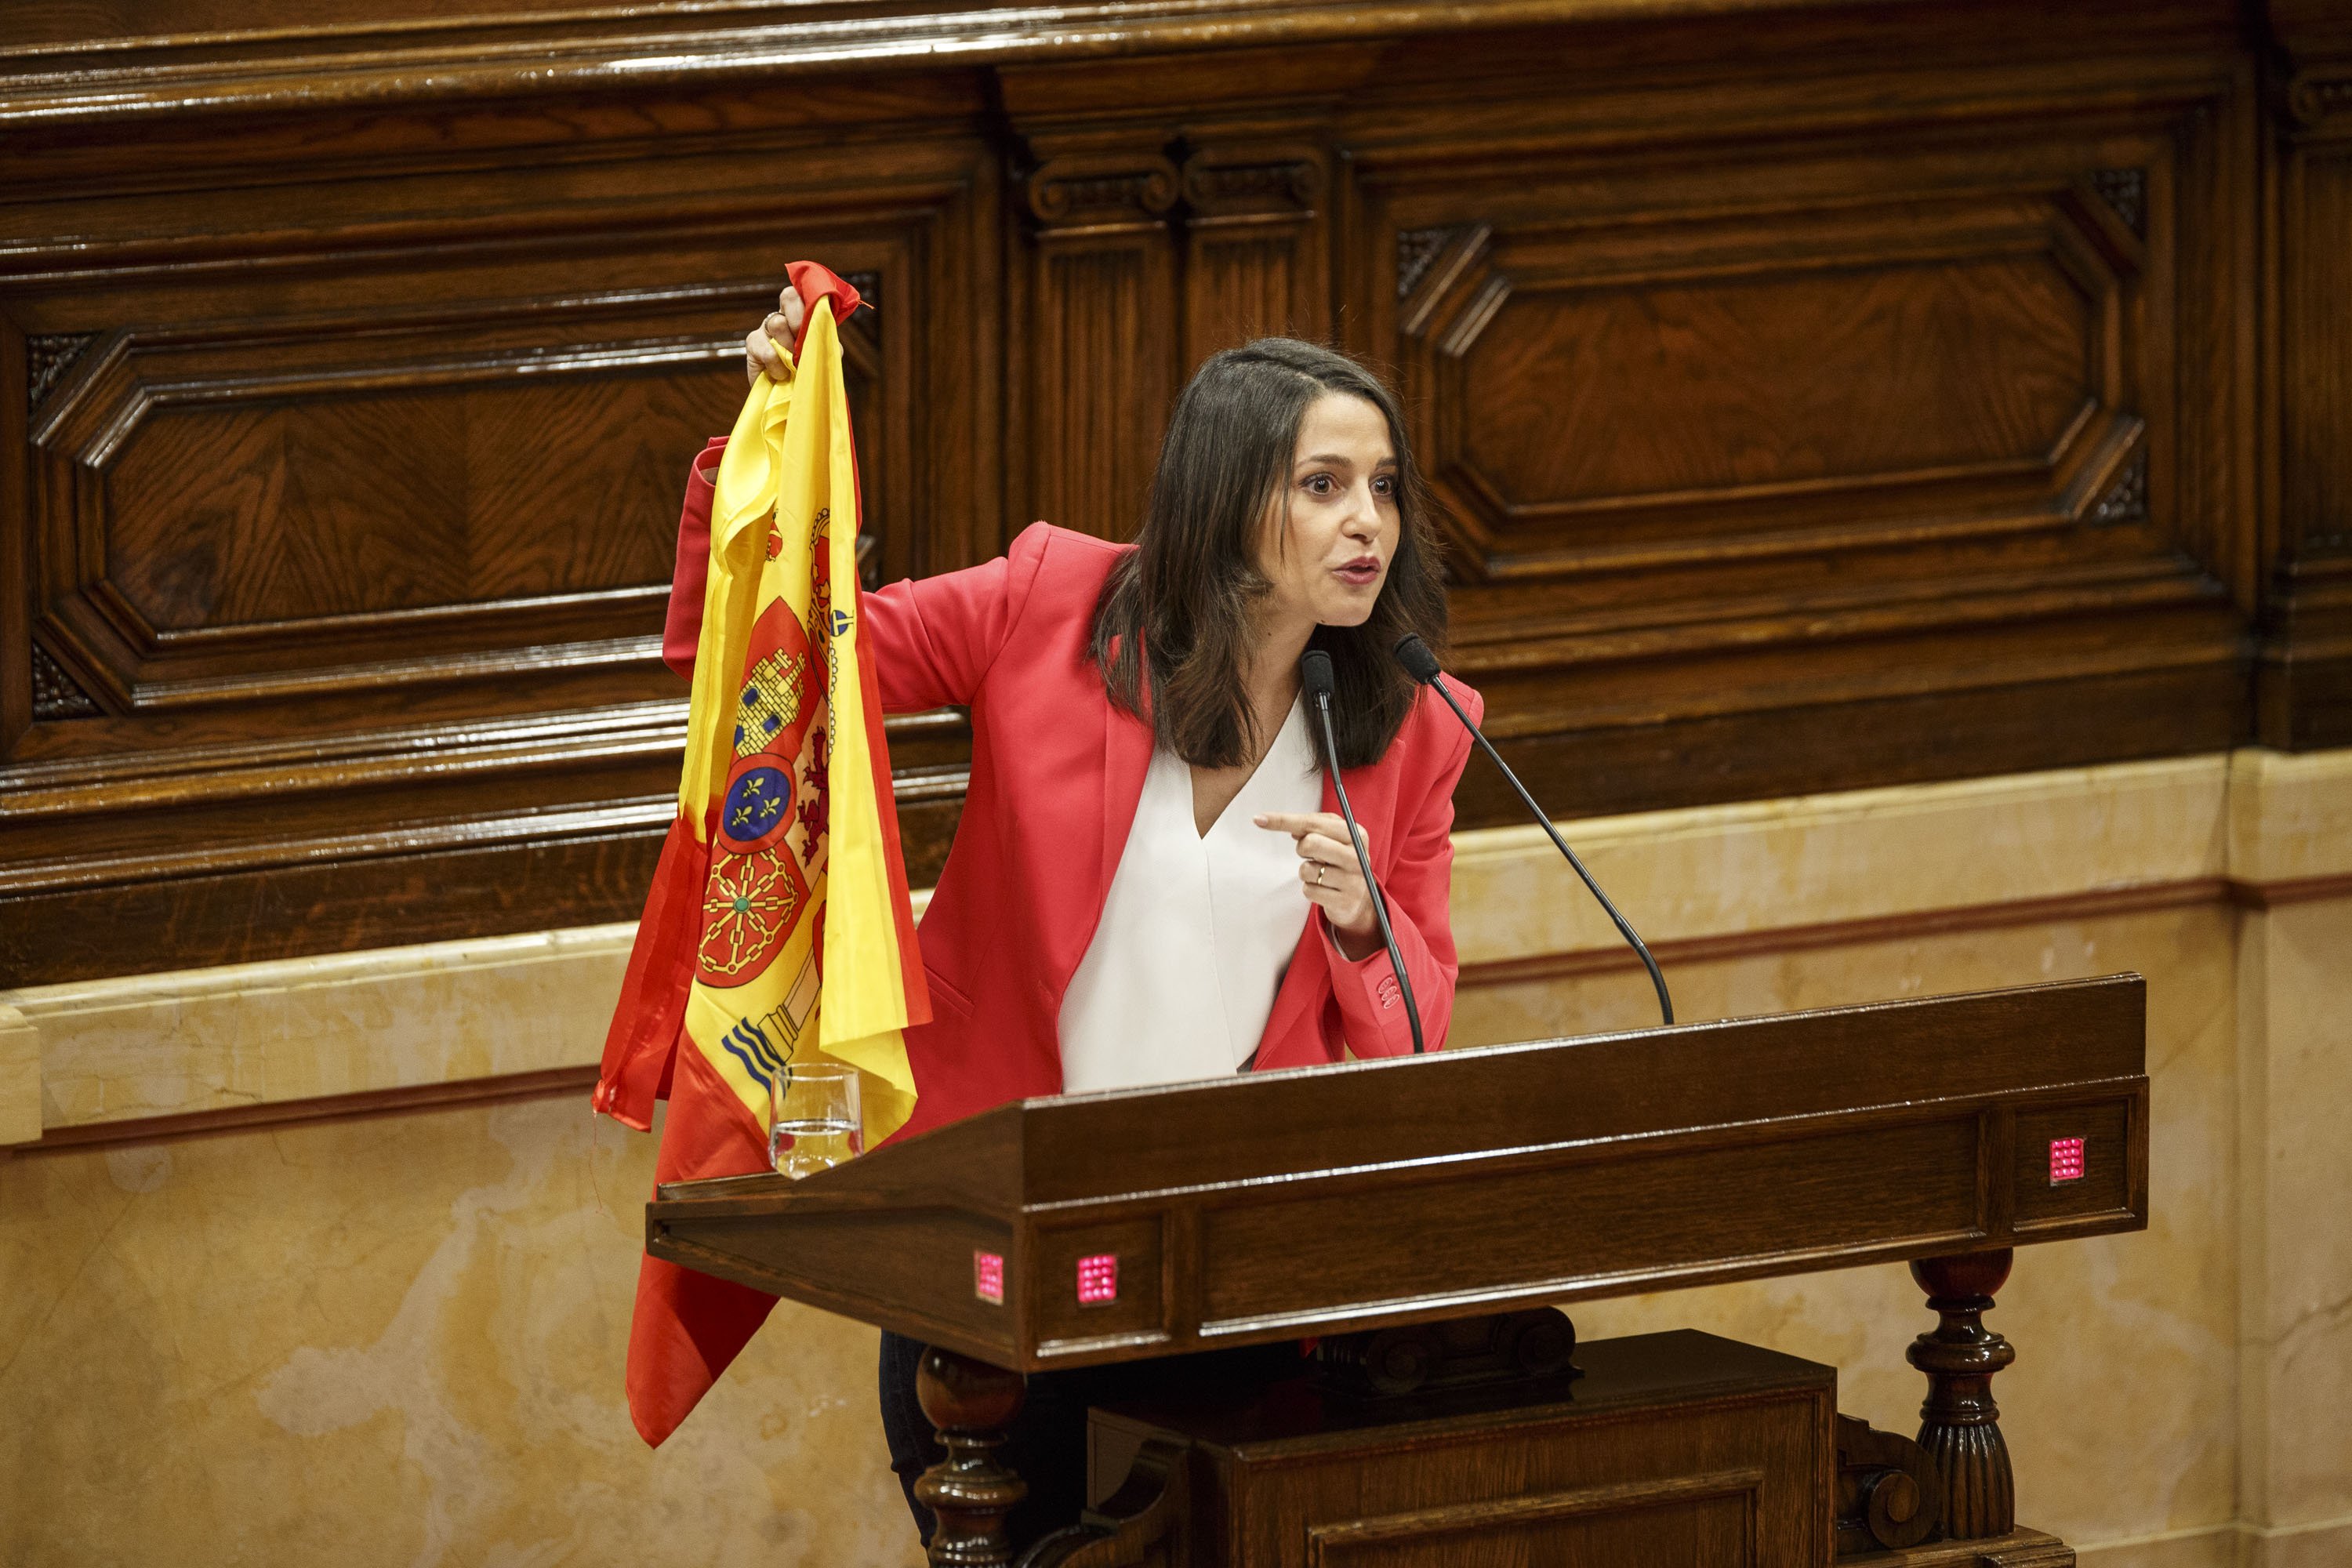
(1150, 882)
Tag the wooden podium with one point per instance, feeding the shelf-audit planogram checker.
(1375, 1206)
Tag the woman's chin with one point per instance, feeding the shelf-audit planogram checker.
(1352, 611)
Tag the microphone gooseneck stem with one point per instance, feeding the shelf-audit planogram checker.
(1379, 904)
(1543, 818)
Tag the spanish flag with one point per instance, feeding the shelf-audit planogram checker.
(778, 928)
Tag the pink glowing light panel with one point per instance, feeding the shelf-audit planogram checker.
(2065, 1160)
(1098, 1280)
(988, 1277)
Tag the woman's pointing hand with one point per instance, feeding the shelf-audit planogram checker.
(1332, 876)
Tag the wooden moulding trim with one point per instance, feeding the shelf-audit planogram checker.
(549, 1083)
(1890, 927)
(2308, 890)
(649, 815)
(355, 74)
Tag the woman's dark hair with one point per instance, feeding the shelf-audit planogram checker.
(1177, 610)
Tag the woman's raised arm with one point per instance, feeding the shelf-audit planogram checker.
(932, 641)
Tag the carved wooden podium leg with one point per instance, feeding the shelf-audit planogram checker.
(1959, 1425)
(970, 1403)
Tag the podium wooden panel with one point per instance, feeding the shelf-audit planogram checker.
(1674, 1449)
(1284, 1204)
(1377, 1195)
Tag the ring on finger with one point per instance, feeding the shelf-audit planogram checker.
(1319, 873)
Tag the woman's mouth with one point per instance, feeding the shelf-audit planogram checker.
(1362, 573)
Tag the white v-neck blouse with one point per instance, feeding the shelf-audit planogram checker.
(1197, 930)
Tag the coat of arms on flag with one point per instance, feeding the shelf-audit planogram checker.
(778, 928)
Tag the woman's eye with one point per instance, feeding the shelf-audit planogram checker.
(1385, 485)
(1320, 484)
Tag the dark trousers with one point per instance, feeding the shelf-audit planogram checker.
(1046, 1446)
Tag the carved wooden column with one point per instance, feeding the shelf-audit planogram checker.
(971, 1491)
(1959, 1423)
(1099, 340)
(1256, 246)
(2304, 675)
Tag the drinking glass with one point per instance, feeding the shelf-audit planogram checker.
(815, 1120)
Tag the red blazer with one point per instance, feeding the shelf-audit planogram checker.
(1056, 771)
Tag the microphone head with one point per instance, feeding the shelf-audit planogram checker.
(1315, 672)
(1414, 654)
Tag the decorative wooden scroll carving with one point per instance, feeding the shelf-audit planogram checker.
(47, 357)
(970, 1403)
(2314, 100)
(1090, 191)
(2126, 190)
(1960, 1425)
(1888, 1494)
(1144, 1524)
(1461, 1352)
(1416, 249)
(2125, 501)
(56, 694)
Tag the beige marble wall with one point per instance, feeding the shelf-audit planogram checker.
(2295, 1274)
(399, 1337)
(394, 1340)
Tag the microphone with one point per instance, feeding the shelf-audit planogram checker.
(1421, 665)
(1315, 679)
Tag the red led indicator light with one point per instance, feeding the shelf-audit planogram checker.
(988, 1277)
(1098, 1280)
(2065, 1160)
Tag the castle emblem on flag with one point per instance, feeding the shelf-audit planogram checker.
(770, 702)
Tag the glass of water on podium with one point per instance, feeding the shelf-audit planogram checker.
(815, 1120)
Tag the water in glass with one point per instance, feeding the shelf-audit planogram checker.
(814, 1121)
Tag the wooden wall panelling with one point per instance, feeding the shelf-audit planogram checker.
(2303, 690)
(349, 553)
(1849, 394)
(1257, 245)
(22, 362)
(1100, 346)
(1932, 432)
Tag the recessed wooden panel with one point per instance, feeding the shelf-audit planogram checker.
(1919, 1181)
(1672, 1450)
(1136, 1302)
(348, 559)
(1630, 394)
(1254, 259)
(1103, 383)
(2305, 674)
(294, 508)
(2052, 1191)
(1662, 392)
